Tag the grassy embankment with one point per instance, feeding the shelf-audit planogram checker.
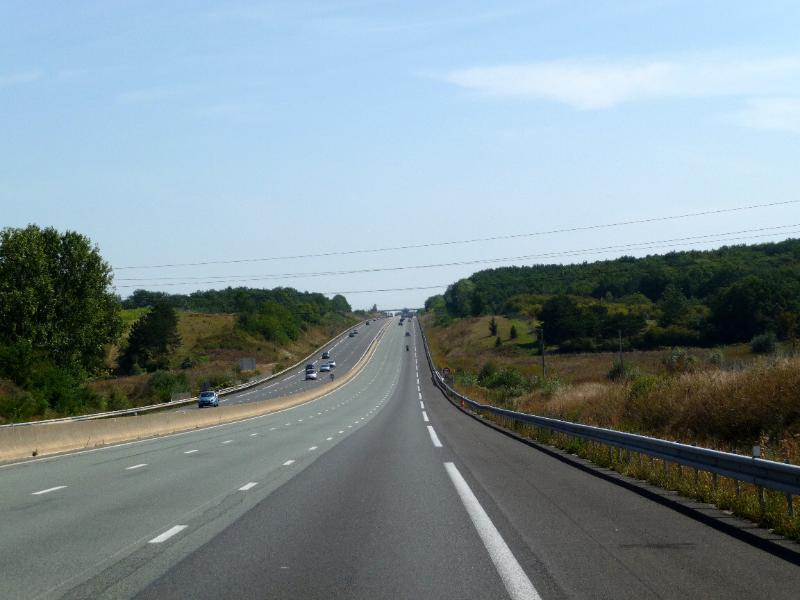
(724, 398)
(210, 349)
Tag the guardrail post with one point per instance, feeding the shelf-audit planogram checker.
(789, 499)
(761, 499)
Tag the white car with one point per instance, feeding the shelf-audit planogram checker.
(311, 375)
(332, 364)
(324, 368)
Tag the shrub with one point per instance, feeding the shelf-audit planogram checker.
(716, 358)
(497, 342)
(621, 372)
(765, 343)
(513, 333)
(487, 370)
(679, 360)
(163, 384)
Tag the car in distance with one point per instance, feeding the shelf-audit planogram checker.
(367, 323)
(208, 398)
(310, 367)
(351, 334)
(408, 334)
(326, 355)
(332, 364)
(311, 375)
(324, 368)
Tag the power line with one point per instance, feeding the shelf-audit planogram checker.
(468, 241)
(670, 243)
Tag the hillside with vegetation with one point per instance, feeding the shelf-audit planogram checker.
(695, 298)
(69, 345)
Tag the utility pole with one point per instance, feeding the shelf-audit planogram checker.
(541, 351)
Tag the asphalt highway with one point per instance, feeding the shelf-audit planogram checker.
(381, 489)
(345, 351)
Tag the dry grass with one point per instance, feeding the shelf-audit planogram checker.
(755, 400)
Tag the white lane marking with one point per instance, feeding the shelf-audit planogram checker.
(167, 534)
(420, 396)
(287, 425)
(272, 428)
(349, 426)
(299, 420)
(418, 388)
(288, 462)
(328, 439)
(139, 466)
(517, 584)
(48, 490)
(227, 441)
(425, 417)
(312, 448)
(434, 437)
(248, 486)
(421, 404)
(254, 434)
(190, 451)
(342, 431)
(417, 381)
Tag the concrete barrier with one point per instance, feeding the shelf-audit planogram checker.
(19, 443)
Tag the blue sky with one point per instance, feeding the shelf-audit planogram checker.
(176, 132)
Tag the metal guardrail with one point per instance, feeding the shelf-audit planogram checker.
(162, 405)
(757, 471)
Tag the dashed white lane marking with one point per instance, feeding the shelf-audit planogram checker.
(434, 437)
(299, 420)
(254, 434)
(417, 381)
(425, 417)
(517, 584)
(190, 451)
(420, 395)
(48, 490)
(421, 404)
(167, 534)
(288, 462)
(328, 439)
(248, 486)
(312, 448)
(418, 388)
(139, 466)
(227, 441)
(272, 428)
(287, 425)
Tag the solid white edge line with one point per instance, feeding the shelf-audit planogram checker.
(517, 584)
(167, 534)
(48, 490)
(434, 437)
(248, 486)
(425, 417)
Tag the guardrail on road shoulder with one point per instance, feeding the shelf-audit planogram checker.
(760, 472)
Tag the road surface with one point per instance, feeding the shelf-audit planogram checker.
(380, 489)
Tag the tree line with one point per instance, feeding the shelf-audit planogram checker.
(59, 315)
(727, 295)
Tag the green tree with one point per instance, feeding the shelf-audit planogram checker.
(493, 327)
(152, 339)
(513, 333)
(497, 342)
(674, 306)
(562, 318)
(339, 304)
(55, 294)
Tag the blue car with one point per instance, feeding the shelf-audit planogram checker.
(208, 399)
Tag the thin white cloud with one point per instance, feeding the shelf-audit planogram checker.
(147, 95)
(20, 77)
(597, 84)
(778, 114)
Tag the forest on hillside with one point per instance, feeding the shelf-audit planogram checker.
(731, 294)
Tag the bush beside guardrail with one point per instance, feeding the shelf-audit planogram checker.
(760, 473)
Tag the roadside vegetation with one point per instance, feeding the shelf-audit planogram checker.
(728, 397)
(69, 345)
